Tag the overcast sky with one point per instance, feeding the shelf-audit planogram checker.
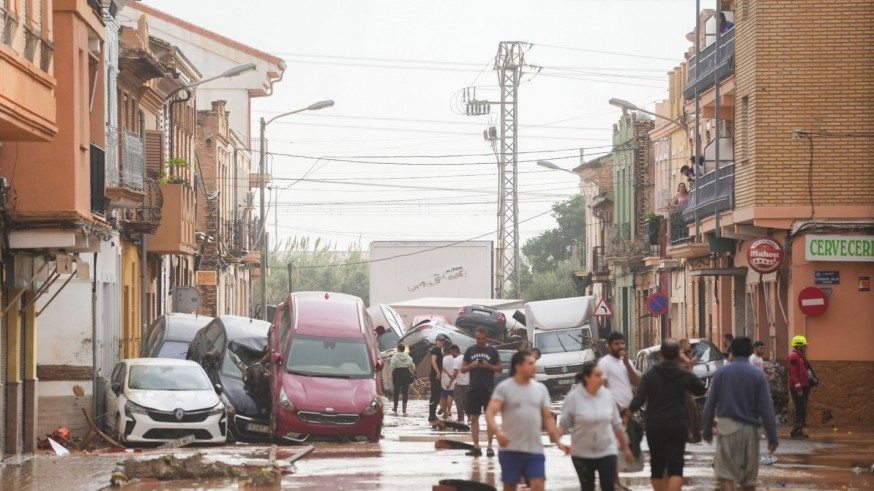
(395, 69)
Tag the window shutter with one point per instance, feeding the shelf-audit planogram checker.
(154, 152)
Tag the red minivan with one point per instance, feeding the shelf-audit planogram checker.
(325, 368)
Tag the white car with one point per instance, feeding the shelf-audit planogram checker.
(161, 399)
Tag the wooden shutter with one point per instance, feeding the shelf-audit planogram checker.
(154, 152)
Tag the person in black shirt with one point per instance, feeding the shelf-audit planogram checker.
(482, 361)
(663, 390)
(434, 376)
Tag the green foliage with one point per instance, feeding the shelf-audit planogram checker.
(545, 251)
(317, 267)
(549, 284)
(177, 163)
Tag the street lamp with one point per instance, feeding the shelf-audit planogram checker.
(552, 166)
(623, 104)
(263, 221)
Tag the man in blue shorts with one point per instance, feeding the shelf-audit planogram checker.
(524, 406)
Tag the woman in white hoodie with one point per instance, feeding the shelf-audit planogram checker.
(592, 418)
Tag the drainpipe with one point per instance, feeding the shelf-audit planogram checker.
(96, 400)
(716, 112)
(144, 258)
(697, 133)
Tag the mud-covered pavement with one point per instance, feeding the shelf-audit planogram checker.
(406, 459)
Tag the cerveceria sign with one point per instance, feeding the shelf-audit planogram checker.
(765, 256)
(858, 248)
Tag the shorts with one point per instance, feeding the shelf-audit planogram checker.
(477, 401)
(515, 465)
(737, 452)
(667, 447)
(447, 393)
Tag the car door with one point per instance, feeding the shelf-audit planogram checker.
(115, 400)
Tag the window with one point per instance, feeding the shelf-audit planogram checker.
(214, 337)
(706, 352)
(562, 341)
(328, 357)
(167, 377)
(745, 128)
(172, 349)
(118, 373)
(237, 358)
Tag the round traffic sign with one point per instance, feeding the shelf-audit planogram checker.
(812, 301)
(658, 303)
(765, 256)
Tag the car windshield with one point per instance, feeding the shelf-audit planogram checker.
(388, 340)
(328, 357)
(173, 349)
(706, 352)
(561, 341)
(167, 377)
(237, 358)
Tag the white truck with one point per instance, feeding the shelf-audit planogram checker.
(562, 330)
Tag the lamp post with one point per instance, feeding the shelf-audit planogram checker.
(632, 107)
(262, 225)
(552, 166)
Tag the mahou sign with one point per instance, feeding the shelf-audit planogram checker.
(765, 256)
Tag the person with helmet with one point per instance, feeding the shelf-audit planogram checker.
(436, 370)
(799, 384)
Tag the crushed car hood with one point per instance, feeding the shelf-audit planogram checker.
(319, 393)
(170, 400)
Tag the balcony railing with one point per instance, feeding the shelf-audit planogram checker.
(712, 193)
(653, 238)
(617, 240)
(679, 226)
(237, 237)
(599, 261)
(98, 180)
(133, 164)
(710, 65)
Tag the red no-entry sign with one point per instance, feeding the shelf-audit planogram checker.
(812, 301)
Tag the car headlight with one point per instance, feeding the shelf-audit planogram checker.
(284, 401)
(372, 408)
(134, 408)
(218, 409)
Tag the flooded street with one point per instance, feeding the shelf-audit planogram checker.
(406, 459)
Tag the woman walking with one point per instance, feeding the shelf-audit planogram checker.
(593, 420)
(402, 368)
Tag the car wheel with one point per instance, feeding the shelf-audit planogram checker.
(376, 435)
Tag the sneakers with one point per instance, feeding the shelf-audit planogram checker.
(490, 452)
(474, 452)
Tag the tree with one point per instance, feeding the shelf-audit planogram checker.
(545, 251)
(550, 284)
(317, 266)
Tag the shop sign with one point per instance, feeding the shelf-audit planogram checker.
(765, 256)
(826, 277)
(850, 248)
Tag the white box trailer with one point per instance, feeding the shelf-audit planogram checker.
(406, 270)
(562, 330)
(448, 306)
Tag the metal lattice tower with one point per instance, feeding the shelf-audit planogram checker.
(508, 63)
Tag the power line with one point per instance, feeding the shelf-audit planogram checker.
(613, 53)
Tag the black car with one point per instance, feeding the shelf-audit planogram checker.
(472, 317)
(506, 362)
(170, 334)
(420, 339)
(227, 348)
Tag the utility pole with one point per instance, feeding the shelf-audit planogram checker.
(509, 62)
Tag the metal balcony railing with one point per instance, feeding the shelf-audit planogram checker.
(679, 226)
(98, 180)
(617, 239)
(133, 164)
(712, 193)
(710, 65)
(599, 261)
(237, 237)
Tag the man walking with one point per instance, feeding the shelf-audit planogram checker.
(756, 359)
(434, 376)
(461, 382)
(663, 390)
(524, 406)
(482, 361)
(619, 371)
(799, 385)
(740, 397)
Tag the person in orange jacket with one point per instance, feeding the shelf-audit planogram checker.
(799, 385)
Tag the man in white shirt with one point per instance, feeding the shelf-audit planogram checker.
(447, 382)
(461, 383)
(756, 359)
(619, 371)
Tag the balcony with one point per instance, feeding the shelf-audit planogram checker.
(712, 193)
(679, 227)
(175, 235)
(125, 180)
(600, 266)
(98, 180)
(237, 237)
(710, 65)
(617, 240)
(145, 218)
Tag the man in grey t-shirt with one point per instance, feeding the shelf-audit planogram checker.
(524, 406)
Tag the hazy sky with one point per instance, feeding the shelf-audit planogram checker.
(395, 69)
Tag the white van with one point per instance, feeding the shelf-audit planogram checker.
(562, 330)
